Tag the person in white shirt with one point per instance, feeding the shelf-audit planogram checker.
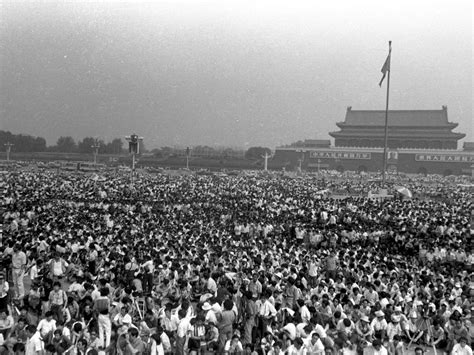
(34, 345)
(123, 318)
(183, 328)
(266, 312)
(297, 348)
(210, 314)
(462, 348)
(148, 270)
(379, 325)
(315, 345)
(46, 326)
(211, 285)
(378, 348)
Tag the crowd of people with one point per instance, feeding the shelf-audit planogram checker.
(191, 264)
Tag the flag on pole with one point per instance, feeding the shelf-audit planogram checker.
(385, 68)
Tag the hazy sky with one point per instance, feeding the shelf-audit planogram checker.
(227, 73)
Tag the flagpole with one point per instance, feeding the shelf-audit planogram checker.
(384, 168)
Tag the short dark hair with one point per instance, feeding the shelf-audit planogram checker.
(19, 347)
(31, 328)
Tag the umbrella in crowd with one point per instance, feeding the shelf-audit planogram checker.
(404, 191)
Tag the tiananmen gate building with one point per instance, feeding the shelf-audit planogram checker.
(419, 141)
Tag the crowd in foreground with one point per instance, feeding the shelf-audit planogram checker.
(230, 265)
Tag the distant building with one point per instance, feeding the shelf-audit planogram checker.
(419, 129)
(311, 143)
(419, 141)
(468, 146)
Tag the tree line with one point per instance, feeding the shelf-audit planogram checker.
(64, 144)
(67, 144)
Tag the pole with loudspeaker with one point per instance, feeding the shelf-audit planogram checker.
(9, 148)
(134, 149)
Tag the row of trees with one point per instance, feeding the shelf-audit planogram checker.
(22, 143)
(87, 145)
(67, 144)
(26, 143)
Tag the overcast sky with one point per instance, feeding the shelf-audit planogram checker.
(227, 73)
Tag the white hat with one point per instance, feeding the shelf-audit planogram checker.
(379, 314)
(206, 306)
(395, 318)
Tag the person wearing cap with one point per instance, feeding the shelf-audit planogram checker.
(394, 327)
(412, 331)
(210, 315)
(397, 310)
(364, 330)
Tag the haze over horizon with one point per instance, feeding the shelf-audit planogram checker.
(227, 73)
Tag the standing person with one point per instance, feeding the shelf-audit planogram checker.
(102, 305)
(331, 265)
(250, 318)
(34, 344)
(226, 320)
(266, 313)
(93, 256)
(58, 267)
(18, 270)
(148, 271)
(183, 330)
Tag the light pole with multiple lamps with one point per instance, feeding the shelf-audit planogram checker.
(134, 149)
